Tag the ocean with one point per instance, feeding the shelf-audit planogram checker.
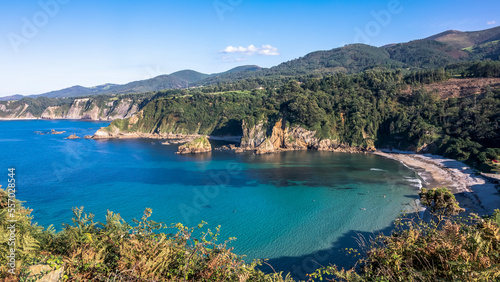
(296, 209)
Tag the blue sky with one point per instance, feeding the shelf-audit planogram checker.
(52, 44)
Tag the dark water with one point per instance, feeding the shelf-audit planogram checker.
(291, 208)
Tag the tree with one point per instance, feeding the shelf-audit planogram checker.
(441, 202)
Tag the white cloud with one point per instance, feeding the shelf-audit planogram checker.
(264, 50)
(491, 22)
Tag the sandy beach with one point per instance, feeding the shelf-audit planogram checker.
(475, 193)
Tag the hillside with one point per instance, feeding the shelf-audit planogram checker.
(189, 76)
(101, 107)
(436, 51)
(176, 80)
(375, 108)
(433, 52)
(460, 39)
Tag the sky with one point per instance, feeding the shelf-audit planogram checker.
(48, 45)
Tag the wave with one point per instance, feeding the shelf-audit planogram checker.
(416, 182)
(378, 169)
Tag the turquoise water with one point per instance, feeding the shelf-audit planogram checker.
(291, 208)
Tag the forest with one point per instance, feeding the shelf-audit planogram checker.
(368, 109)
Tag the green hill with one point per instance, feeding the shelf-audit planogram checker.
(189, 76)
(460, 39)
(426, 54)
(435, 51)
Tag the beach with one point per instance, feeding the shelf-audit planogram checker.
(474, 192)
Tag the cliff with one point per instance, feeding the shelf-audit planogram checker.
(285, 138)
(92, 108)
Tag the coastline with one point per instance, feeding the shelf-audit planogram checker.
(11, 119)
(474, 192)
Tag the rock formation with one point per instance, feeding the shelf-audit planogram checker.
(285, 138)
(198, 145)
(93, 108)
(73, 136)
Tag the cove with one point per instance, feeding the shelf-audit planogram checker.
(292, 208)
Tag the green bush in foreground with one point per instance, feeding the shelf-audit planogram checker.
(451, 249)
(448, 250)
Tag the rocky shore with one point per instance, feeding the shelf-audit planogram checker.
(474, 192)
(103, 134)
(254, 139)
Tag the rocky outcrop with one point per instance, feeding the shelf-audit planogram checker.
(274, 142)
(113, 132)
(283, 138)
(93, 108)
(252, 136)
(13, 110)
(73, 136)
(198, 145)
(55, 132)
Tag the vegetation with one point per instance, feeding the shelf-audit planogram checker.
(31, 107)
(372, 108)
(440, 202)
(451, 249)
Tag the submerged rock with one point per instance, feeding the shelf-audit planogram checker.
(56, 132)
(198, 145)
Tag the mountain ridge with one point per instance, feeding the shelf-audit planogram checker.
(436, 51)
(175, 80)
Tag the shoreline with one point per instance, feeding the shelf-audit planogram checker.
(474, 192)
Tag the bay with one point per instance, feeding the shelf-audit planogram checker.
(296, 209)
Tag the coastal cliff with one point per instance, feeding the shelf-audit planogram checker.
(285, 138)
(92, 108)
(259, 137)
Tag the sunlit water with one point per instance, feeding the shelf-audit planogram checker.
(292, 208)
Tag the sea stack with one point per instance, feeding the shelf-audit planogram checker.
(198, 145)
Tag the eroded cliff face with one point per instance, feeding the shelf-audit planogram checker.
(11, 111)
(284, 138)
(91, 110)
(265, 136)
(252, 136)
(95, 108)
